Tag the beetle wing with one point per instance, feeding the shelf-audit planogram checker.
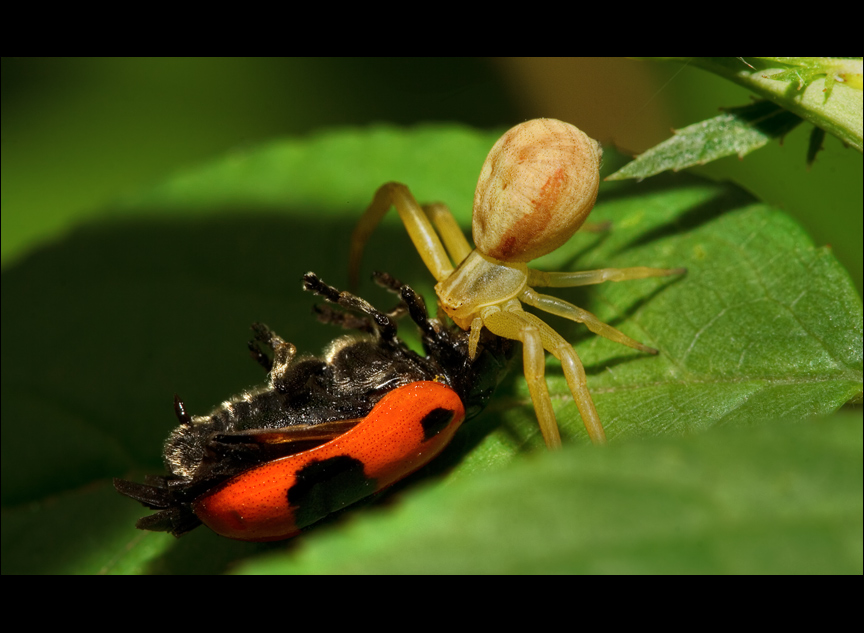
(289, 440)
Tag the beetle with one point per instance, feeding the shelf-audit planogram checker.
(322, 433)
(535, 190)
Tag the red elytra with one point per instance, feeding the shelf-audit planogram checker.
(408, 428)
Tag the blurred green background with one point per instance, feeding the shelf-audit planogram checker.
(81, 133)
(81, 136)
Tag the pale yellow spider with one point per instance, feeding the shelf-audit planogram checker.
(536, 188)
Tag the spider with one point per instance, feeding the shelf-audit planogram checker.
(535, 190)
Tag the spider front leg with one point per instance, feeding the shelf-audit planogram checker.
(421, 223)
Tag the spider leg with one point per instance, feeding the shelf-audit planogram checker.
(509, 325)
(574, 373)
(455, 242)
(559, 307)
(537, 278)
(419, 227)
(514, 323)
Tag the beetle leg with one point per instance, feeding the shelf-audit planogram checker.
(417, 310)
(420, 230)
(345, 320)
(387, 281)
(283, 352)
(263, 334)
(383, 323)
(391, 284)
(259, 356)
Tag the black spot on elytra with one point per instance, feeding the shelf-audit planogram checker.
(326, 486)
(435, 421)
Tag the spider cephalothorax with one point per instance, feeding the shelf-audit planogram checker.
(535, 190)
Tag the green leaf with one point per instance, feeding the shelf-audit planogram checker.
(774, 499)
(102, 328)
(805, 70)
(826, 91)
(803, 88)
(738, 131)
